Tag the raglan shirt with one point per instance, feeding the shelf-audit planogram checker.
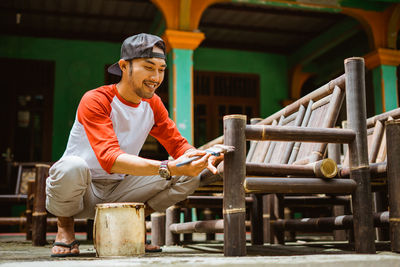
(107, 126)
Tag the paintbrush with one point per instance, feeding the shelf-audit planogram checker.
(215, 150)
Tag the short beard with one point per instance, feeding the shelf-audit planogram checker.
(130, 68)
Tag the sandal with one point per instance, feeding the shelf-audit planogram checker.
(152, 250)
(61, 244)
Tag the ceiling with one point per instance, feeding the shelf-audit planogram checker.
(227, 25)
(263, 28)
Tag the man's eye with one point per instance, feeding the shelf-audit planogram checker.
(162, 70)
(148, 68)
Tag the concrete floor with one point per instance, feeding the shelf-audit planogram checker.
(14, 251)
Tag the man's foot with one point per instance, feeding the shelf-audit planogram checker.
(64, 244)
(152, 248)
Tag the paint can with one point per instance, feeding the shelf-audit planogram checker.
(119, 229)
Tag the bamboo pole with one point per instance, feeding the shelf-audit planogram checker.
(51, 222)
(298, 121)
(207, 227)
(89, 229)
(257, 237)
(337, 210)
(29, 208)
(39, 214)
(303, 134)
(207, 202)
(253, 144)
(313, 201)
(211, 226)
(376, 141)
(187, 214)
(208, 215)
(377, 170)
(329, 121)
(327, 223)
(234, 210)
(276, 213)
(272, 145)
(304, 123)
(158, 228)
(358, 152)
(395, 113)
(393, 161)
(325, 168)
(172, 216)
(298, 185)
(267, 217)
(257, 206)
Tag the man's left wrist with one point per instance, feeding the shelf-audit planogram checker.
(164, 170)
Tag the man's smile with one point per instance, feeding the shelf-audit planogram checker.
(152, 85)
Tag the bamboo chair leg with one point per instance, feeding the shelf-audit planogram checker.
(89, 229)
(172, 216)
(266, 218)
(158, 229)
(39, 215)
(381, 204)
(257, 237)
(187, 218)
(356, 115)
(208, 215)
(234, 207)
(29, 208)
(276, 212)
(334, 154)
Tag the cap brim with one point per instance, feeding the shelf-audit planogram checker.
(114, 69)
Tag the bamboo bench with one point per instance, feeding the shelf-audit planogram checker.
(298, 135)
(32, 192)
(236, 132)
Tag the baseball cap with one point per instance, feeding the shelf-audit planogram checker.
(138, 46)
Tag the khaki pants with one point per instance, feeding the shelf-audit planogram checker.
(70, 190)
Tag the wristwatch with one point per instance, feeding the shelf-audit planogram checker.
(163, 171)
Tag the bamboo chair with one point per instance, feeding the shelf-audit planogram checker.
(30, 189)
(235, 167)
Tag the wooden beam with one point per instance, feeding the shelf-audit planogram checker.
(279, 11)
(253, 28)
(324, 42)
(72, 15)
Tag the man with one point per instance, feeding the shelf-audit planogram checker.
(100, 163)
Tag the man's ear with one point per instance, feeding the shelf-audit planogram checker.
(123, 64)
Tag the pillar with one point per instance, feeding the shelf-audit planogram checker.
(382, 29)
(180, 46)
(383, 63)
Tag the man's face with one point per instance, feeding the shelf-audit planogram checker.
(145, 75)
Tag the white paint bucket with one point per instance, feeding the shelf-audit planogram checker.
(119, 229)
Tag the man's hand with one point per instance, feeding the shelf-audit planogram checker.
(195, 167)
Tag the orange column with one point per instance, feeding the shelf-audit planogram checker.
(382, 29)
(182, 38)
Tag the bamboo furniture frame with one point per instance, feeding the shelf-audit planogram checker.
(236, 132)
(295, 135)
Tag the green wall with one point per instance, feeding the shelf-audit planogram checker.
(79, 67)
(271, 68)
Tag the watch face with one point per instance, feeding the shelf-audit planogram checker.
(164, 173)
